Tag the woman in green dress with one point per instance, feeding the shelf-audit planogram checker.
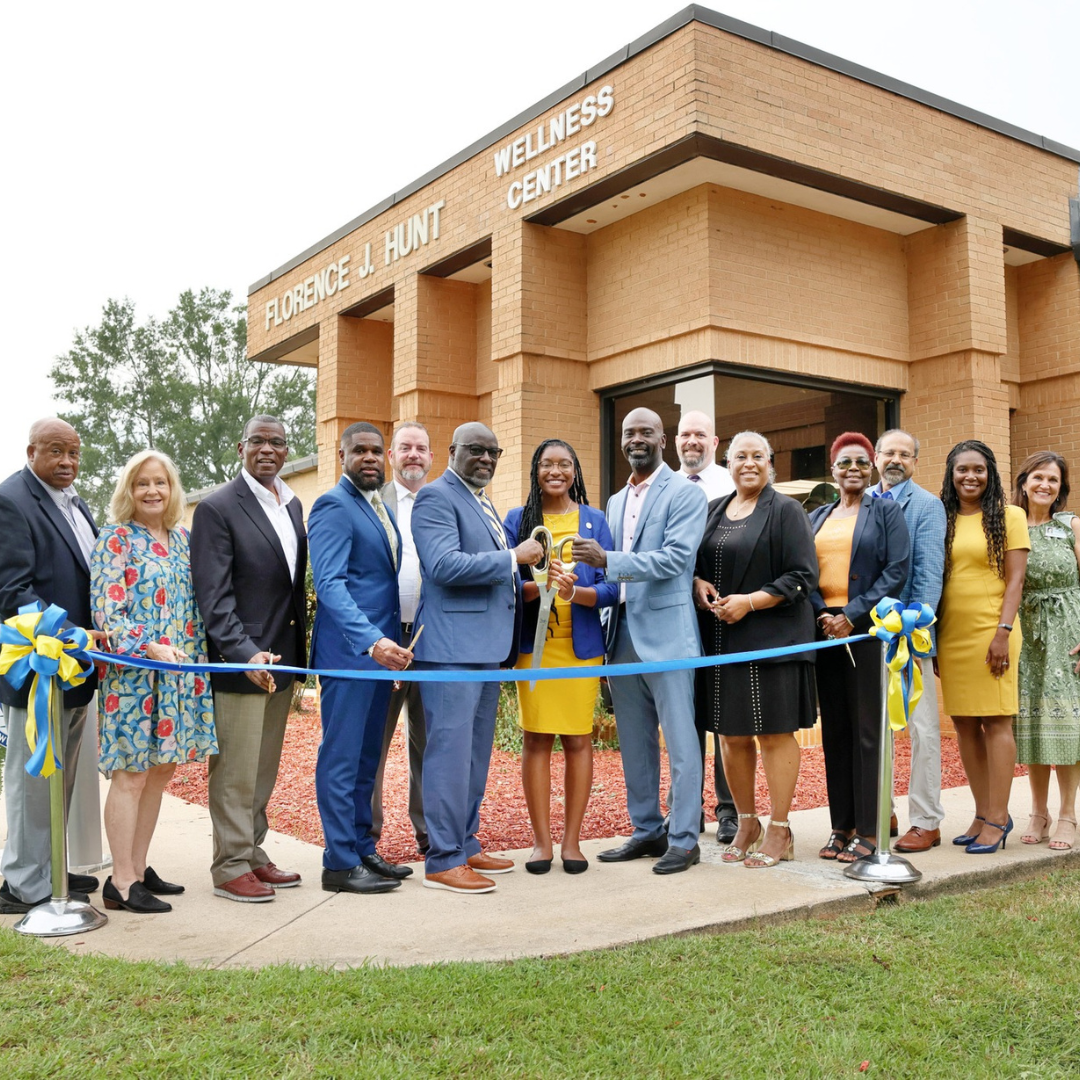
(1048, 723)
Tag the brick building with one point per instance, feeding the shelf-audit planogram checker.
(715, 217)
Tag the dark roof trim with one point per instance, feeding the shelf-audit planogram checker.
(707, 146)
(474, 253)
(1035, 244)
(693, 13)
(283, 348)
(370, 304)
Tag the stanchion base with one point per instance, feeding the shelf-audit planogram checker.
(58, 918)
(884, 867)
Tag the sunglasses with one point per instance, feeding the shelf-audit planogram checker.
(861, 463)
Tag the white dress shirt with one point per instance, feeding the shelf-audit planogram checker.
(67, 500)
(714, 479)
(409, 563)
(277, 514)
(635, 500)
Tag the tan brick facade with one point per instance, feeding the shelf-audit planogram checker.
(822, 227)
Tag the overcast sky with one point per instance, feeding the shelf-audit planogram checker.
(153, 148)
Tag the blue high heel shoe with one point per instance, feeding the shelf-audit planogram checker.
(963, 841)
(989, 849)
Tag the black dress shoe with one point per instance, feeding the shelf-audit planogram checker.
(139, 899)
(158, 887)
(635, 849)
(538, 866)
(677, 860)
(10, 904)
(84, 883)
(357, 880)
(726, 828)
(378, 865)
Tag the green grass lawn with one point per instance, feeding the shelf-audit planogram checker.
(981, 985)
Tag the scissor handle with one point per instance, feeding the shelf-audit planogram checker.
(557, 551)
(542, 535)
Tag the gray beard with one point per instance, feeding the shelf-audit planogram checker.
(689, 462)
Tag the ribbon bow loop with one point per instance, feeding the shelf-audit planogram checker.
(906, 633)
(34, 644)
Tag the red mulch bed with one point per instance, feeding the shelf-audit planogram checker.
(504, 822)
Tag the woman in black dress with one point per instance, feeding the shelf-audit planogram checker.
(755, 572)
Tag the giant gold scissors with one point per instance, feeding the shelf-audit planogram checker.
(542, 535)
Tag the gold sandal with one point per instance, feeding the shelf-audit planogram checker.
(1065, 836)
(1032, 835)
(733, 854)
(758, 860)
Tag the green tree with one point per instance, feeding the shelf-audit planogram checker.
(182, 385)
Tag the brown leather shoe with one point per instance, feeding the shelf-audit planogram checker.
(894, 826)
(916, 839)
(490, 864)
(275, 877)
(459, 879)
(246, 888)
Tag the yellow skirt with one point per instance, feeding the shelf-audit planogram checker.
(558, 706)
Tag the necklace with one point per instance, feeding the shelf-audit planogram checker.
(735, 512)
(570, 508)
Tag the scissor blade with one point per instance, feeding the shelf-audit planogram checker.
(540, 637)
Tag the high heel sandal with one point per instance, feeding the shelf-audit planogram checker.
(1032, 835)
(968, 838)
(139, 900)
(1064, 842)
(733, 854)
(858, 848)
(989, 849)
(759, 860)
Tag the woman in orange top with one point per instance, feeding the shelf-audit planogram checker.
(863, 556)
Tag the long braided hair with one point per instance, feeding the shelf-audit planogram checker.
(993, 506)
(533, 512)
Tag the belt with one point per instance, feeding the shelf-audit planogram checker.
(406, 632)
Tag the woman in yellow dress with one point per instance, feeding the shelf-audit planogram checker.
(979, 639)
(562, 707)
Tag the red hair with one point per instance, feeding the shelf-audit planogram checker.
(850, 438)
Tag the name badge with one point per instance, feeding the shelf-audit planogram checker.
(1057, 532)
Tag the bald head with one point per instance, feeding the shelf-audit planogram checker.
(474, 453)
(696, 442)
(53, 452)
(643, 442)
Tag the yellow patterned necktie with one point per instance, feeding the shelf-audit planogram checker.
(380, 509)
(493, 518)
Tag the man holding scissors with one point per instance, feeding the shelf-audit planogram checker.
(469, 606)
(355, 551)
(248, 564)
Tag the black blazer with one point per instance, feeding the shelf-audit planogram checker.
(776, 555)
(880, 557)
(242, 585)
(40, 559)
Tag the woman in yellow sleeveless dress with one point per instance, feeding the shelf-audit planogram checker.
(979, 638)
(562, 707)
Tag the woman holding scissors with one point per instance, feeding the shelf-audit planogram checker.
(573, 637)
(141, 596)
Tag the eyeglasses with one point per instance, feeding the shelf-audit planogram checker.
(478, 451)
(566, 465)
(860, 463)
(903, 455)
(255, 441)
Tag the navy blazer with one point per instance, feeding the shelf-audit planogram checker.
(586, 632)
(40, 559)
(880, 558)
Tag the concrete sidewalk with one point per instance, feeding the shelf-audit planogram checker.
(610, 905)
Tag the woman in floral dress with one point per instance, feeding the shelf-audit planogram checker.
(142, 598)
(1048, 723)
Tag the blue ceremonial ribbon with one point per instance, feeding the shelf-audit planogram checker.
(34, 644)
(483, 674)
(905, 630)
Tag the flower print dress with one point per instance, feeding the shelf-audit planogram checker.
(141, 592)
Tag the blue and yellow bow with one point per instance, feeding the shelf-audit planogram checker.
(906, 633)
(33, 642)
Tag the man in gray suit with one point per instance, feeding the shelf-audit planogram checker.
(411, 459)
(657, 521)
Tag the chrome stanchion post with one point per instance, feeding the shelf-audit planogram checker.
(61, 915)
(883, 866)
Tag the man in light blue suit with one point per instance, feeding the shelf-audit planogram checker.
(355, 546)
(657, 521)
(896, 455)
(470, 612)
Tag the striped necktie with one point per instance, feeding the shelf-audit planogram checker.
(380, 510)
(493, 518)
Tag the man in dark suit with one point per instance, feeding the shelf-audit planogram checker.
(355, 548)
(248, 563)
(470, 613)
(47, 537)
(411, 459)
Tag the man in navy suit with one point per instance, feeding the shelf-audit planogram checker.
(355, 550)
(46, 538)
(657, 522)
(896, 456)
(470, 612)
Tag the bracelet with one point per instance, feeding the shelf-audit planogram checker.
(1005, 626)
(572, 595)
(750, 597)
